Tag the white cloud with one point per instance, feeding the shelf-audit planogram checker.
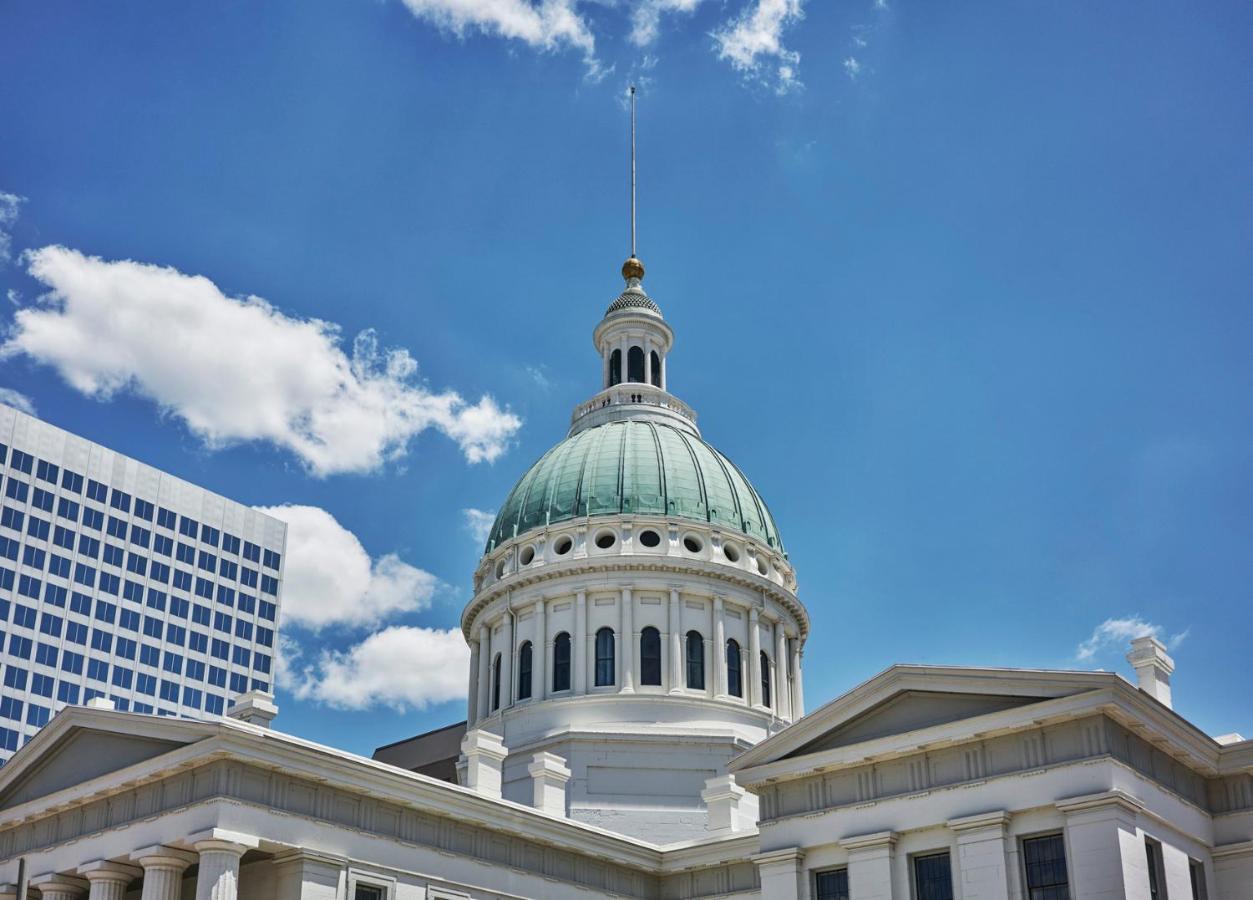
(402, 667)
(17, 400)
(329, 579)
(757, 35)
(852, 67)
(547, 25)
(1117, 633)
(237, 369)
(479, 523)
(646, 17)
(9, 204)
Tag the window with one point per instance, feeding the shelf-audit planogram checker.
(615, 368)
(604, 657)
(1044, 863)
(22, 461)
(369, 892)
(29, 587)
(650, 656)
(43, 500)
(120, 500)
(635, 365)
(656, 369)
(831, 885)
(695, 661)
(97, 491)
(143, 510)
(140, 536)
(93, 519)
(735, 683)
(230, 544)
(1196, 870)
(933, 877)
(38, 528)
(561, 662)
(272, 560)
(67, 509)
(524, 670)
(16, 490)
(496, 683)
(12, 518)
(165, 517)
(764, 662)
(1153, 853)
(209, 535)
(71, 481)
(188, 527)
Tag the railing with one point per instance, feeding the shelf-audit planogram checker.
(633, 394)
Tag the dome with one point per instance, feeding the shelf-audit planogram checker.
(634, 298)
(634, 467)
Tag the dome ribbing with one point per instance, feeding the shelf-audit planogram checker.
(634, 467)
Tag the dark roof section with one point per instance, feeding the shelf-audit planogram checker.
(433, 753)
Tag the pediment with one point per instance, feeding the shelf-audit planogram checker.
(78, 756)
(910, 711)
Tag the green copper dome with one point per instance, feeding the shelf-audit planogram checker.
(639, 467)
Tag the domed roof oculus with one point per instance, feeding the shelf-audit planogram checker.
(634, 467)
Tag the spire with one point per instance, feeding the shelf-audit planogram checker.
(633, 269)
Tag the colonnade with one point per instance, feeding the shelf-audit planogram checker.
(623, 345)
(782, 654)
(216, 852)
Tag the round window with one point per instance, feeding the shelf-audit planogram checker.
(605, 540)
(528, 556)
(731, 552)
(650, 538)
(563, 546)
(500, 569)
(692, 543)
(762, 566)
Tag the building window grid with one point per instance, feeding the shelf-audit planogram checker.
(1044, 868)
(38, 530)
(933, 876)
(832, 885)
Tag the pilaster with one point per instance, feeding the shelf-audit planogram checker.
(782, 874)
(982, 855)
(1104, 846)
(870, 867)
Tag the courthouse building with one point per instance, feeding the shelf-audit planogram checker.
(121, 581)
(636, 728)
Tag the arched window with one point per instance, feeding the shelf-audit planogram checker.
(561, 662)
(635, 365)
(496, 683)
(650, 656)
(524, 671)
(765, 680)
(656, 369)
(604, 657)
(735, 685)
(615, 368)
(695, 661)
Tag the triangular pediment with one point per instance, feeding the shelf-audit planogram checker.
(910, 711)
(907, 699)
(69, 752)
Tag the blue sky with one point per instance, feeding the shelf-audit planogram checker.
(963, 288)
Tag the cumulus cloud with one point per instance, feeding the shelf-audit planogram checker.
(1117, 633)
(9, 204)
(237, 369)
(479, 523)
(852, 67)
(646, 17)
(402, 667)
(330, 579)
(17, 400)
(756, 38)
(547, 25)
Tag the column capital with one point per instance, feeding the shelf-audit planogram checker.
(877, 840)
(785, 856)
(1108, 802)
(997, 819)
(158, 856)
(222, 840)
(56, 883)
(107, 870)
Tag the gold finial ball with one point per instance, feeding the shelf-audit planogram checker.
(632, 268)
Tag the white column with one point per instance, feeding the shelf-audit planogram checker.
(472, 701)
(54, 886)
(218, 876)
(720, 650)
(798, 694)
(782, 874)
(539, 651)
(485, 677)
(982, 857)
(604, 369)
(663, 371)
(676, 642)
(579, 650)
(626, 643)
(484, 756)
(108, 880)
(506, 660)
(870, 865)
(754, 658)
(782, 706)
(163, 871)
(1104, 849)
(306, 875)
